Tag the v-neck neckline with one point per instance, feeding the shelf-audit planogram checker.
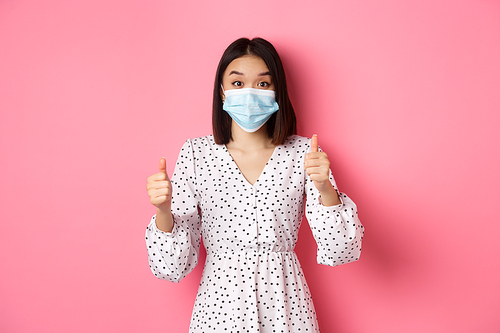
(241, 173)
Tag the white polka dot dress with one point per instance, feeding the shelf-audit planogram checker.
(252, 280)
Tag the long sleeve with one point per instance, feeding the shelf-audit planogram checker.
(336, 229)
(173, 255)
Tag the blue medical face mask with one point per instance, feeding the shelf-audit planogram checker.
(250, 108)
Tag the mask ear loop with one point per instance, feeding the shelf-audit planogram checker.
(223, 93)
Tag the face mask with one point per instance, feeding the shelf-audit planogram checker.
(250, 108)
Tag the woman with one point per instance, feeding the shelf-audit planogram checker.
(245, 189)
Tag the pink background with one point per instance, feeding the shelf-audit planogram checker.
(404, 96)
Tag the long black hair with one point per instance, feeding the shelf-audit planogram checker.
(282, 123)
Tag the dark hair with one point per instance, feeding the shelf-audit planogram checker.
(282, 123)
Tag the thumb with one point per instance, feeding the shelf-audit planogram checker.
(314, 143)
(163, 165)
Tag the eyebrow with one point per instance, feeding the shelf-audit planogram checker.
(239, 73)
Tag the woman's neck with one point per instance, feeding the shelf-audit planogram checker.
(249, 141)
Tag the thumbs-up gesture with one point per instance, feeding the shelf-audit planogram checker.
(160, 188)
(317, 166)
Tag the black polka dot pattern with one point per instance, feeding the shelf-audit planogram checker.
(252, 280)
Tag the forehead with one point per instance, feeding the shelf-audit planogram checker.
(248, 65)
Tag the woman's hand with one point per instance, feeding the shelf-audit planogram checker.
(160, 188)
(317, 166)
(160, 195)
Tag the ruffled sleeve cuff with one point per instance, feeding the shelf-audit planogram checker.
(171, 255)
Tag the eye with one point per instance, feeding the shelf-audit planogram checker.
(263, 84)
(237, 83)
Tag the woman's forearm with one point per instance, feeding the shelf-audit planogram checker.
(330, 197)
(164, 219)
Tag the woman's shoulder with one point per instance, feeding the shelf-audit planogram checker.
(297, 142)
(202, 140)
(202, 144)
